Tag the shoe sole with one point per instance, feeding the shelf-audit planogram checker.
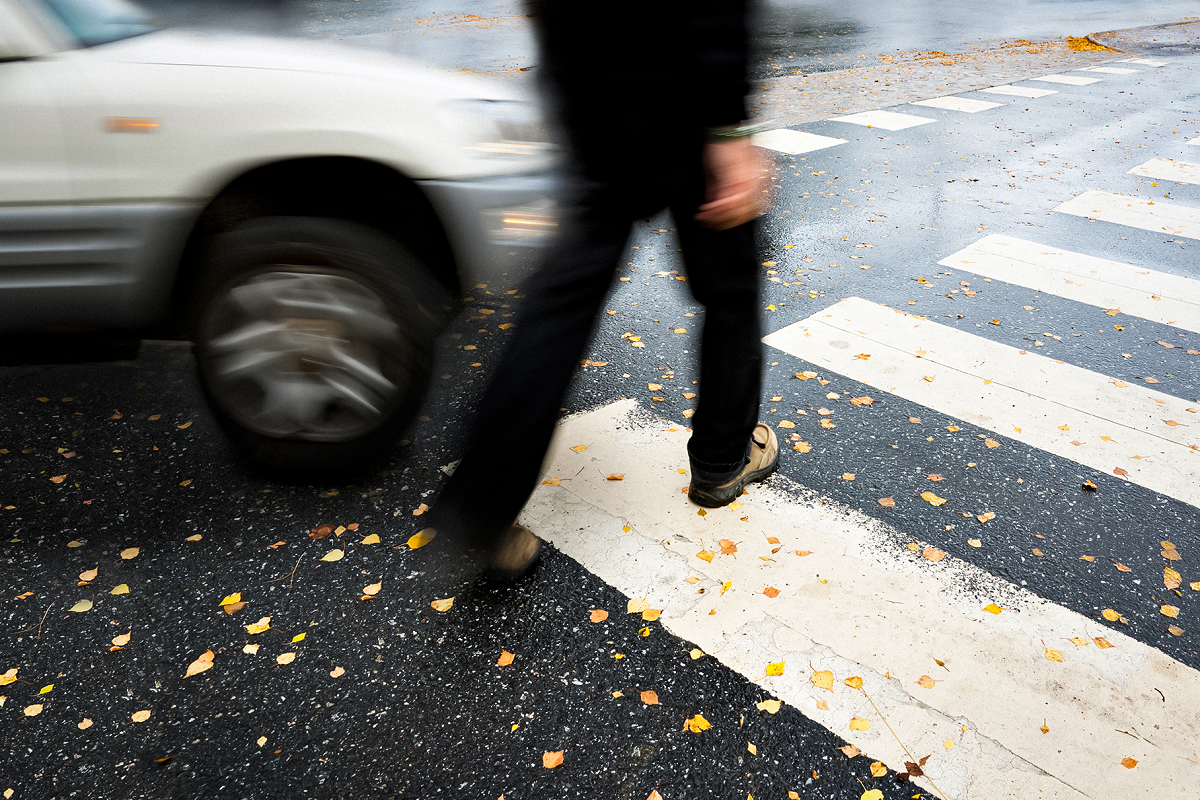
(704, 498)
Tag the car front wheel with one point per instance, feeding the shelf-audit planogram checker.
(314, 342)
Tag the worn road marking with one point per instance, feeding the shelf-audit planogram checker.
(1109, 70)
(1020, 91)
(1144, 61)
(786, 140)
(1168, 169)
(1157, 296)
(1013, 392)
(1123, 209)
(1073, 80)
(951, 103)
(888, 120)
(863, 605)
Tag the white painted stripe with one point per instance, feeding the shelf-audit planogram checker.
(1149, 215)
(1020, 91)
(1110, 70)
(951, 103)
(1144, 61)
(1169, 169)
(862, 605)
(1194, 141)
(888, 120)
(1023, 396)
(1073, 80)
(1157, 296)
(789, 141)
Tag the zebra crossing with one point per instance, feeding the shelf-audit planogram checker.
(878, 637)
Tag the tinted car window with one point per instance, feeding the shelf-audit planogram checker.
(94, 22)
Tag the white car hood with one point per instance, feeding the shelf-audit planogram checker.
(228, 50)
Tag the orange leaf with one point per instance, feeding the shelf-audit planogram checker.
(552, 760)
(728, 547)
(650, 697)
(926, 682)
(771, 592)
(505, 659)
(887, 502)
(598, 615)
(1129, 763)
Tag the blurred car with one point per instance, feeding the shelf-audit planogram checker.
(304, 213)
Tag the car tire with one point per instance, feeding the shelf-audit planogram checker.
(314, 342)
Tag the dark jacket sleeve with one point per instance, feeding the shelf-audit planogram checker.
(720, 36)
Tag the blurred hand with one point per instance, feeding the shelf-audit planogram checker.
(735, 183)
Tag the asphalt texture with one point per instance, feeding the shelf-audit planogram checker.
(420, 706)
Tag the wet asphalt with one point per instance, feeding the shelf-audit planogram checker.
(421, 708)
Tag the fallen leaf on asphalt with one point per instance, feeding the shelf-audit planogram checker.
(952, 428)
(47, 689)
(58, 479)
(130, 552)
(991, 443)
(1110, 615)
(74, 543)
(785, 423)
(802, 447)
(859, 724)
(827, 424)
(1175, 630)
(850, 750)
(442, 605)
(140, 716)
(771, 592)
(195, 537)
(552, 760)
(373, 538)
(728, 547)
(935, 478)
(636, 605)
(986, 517)
(201, 664)
(992, 608)
(654, 795)
(861, 401)
(1169, 611)
(887, 502)
(769, 706)
(822, 679)
(334, 555)
(505, 659)
(651, 614)
(9, 677)
(285, 658)
(337, 672)
(696, 653)
(933, 554)
(33, 710)
(1121, 567)
(915, 420)
(598, 615)
(258, 627)
(697, 724)
(229, 600)
(89, 575)
(878, 770)
(1171, 578)
(84, 724)
(251, 649)
(82, 605)
(848, 476)
(650, 697)
(419, 510)
(1129, 763)
(932, 498)
(975, 542)
(123, 639)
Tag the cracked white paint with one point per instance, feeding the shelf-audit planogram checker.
(863, 604)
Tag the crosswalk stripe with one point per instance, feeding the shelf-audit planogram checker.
(1157, 296)
(952, 103)
(786, 140)
(1145, 61)
(862, 605)
(1168, 169)
(1019, 91)
(1110, 70)
(1150, 436)
(1194, 141)
(1122, 209)
(888, 120)
(1073, 80)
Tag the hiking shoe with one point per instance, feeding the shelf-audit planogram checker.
(516, 551)
(764, 458)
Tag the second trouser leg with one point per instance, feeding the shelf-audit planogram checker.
(520, 408)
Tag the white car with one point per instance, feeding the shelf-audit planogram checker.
(303, 212)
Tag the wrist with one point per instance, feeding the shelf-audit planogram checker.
(724, 134)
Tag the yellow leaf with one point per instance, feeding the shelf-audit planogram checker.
(251, 649)
(201, 664)
(236, 597)
(651, 614)
(261, 741)
(697, 723)
(992, 608)
(123, 639)
(1129, 763)
(505, 659)
(260, 626)
(552, 760)
(442, 605)
(991, 443)
(1102, 643)
(1053, 655)
(1079, 641)
(822, 679)
(952, 429)
(784, 423)
(421, 538)
(130, 552)
(878, 770)
(975, 542)
(337, 672)
(33, 710)
(636, 605)
(84, 724)
(82, 605)
(47, 689)
(821, 704)
(1171, 578)
(753, 749)
(285, 658)
(89, 575)
(650, 697)
(1169, 611)
(372, 589)
(120, 588)
(373, 538)
(579, 448)
(926, 682)
(859, 724)
(419, 510)
(616, 476)
(9, 677)
(932, 498)
(854, 682)
(195, 537)
(1110, 615)
(299, 637)
(769, 706)
(696, 653)
(775, 668)
(887, 502)
(334, 555)
(726, 586)
(801, 447)
(848, 476)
